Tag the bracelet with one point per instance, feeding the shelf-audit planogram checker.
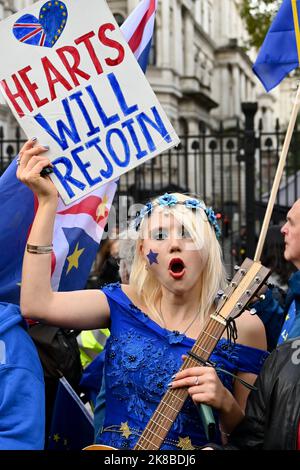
(39, 250)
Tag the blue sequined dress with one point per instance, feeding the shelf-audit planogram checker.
(141, 358)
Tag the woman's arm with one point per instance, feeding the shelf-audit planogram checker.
(78, 309)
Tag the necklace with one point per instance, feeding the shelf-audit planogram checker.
(175, 336)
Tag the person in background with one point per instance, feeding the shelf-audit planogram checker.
(106, 267)
(154, 320)
(282, 322)
(273, 257)
(22, 389)
(272, 417)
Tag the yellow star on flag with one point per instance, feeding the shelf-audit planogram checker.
(185, 443)
(125, 430)
(74, 257)
(101, 209)
(56, 437)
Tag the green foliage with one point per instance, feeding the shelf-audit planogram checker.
(258, 15)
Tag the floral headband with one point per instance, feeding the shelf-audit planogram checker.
(169, 200)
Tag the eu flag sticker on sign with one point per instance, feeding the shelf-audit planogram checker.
(72, 81)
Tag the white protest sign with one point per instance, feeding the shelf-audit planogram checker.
(72, 81)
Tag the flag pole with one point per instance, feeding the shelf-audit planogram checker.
(278, 176)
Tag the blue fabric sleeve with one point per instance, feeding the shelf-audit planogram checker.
(250, 360)
(239, 357)
(22, 410)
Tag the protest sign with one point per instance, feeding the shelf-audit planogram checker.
(72, 81)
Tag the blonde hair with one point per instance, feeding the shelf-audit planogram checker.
(213, 276)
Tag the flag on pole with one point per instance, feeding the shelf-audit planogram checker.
(72, 426)
(79, 227)
(138, 30)
(280, 52)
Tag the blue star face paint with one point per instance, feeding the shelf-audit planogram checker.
(152, 257)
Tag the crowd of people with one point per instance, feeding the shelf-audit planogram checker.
(153, 296)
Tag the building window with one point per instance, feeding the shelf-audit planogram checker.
(119, 18)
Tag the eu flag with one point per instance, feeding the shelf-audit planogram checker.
(280, 51)
(72, 426)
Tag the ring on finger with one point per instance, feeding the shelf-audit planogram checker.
(196, 381)
(18, 161)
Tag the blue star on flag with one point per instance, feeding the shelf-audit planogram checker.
(152, 257)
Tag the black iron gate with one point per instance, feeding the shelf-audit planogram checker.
(232, 170)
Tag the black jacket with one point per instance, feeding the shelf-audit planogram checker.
(273, 411)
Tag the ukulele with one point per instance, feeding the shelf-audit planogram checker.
(247, 281)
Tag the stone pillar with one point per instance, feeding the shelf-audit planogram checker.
(198, 11)
(165, 33)
(236, 91)
(225, 91)
(193, 129)
(178, 39)
(243, 87)
(189, 45)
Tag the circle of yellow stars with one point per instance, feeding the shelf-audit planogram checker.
(64, 13)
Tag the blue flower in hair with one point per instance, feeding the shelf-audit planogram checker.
(213, 221)
(146, 210)
(137, 222)
(211, 215)
(194, 204)
(167, 200)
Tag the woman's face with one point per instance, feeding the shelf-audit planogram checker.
(170, 253)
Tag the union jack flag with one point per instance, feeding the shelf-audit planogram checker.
(27, 31)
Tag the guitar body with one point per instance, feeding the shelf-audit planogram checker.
(98, 447)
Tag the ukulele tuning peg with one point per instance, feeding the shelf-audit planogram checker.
(220, 293)
(236, 268)
(262, 297)
(252, 311)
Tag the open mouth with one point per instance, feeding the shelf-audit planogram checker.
(176, 268)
